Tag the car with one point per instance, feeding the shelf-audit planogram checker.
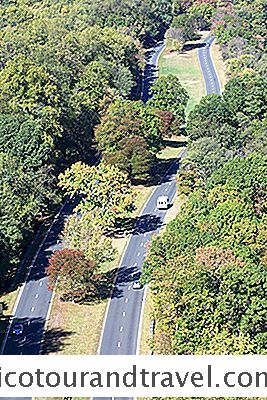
(137, 284)
(136, 280)
(17, 329)
(163, 203)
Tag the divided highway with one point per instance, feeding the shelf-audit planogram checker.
(121, 329)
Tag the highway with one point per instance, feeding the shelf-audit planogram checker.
(121, 329)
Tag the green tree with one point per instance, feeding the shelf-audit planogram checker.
(217, 121)
(167, 94)
(28, 88)
(247, 94)
(24, 138)
(204, 156)
(82, 234)
(106, 191)
(127, 119)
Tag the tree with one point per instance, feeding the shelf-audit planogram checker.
(204, 156)
(127, 119)
(217, 121)
(71, 273)
(24, 138)
(175, 39)
(82, 234)
(167, 94)
(133, 157)
(105, 190)
(24, 197)
(247, 94)
(29, 88)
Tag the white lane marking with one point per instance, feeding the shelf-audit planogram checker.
(145, 234)
(166, 190)
(41, 283)
(121, 328)
(124, 313)
(156, 209)
(142, 244)
(138, 254)
(37, 295)
(119, 344)
(129, 287)
(32, 309)
(170, 183)
(135, 264)
(126, 301)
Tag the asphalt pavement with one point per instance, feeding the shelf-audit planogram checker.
(208, 68)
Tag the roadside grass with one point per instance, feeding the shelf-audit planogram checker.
(186, 66)
(76, 329)
(8, 300)
(219, 63)
(146, 325)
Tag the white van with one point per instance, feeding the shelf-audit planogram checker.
(163, 203)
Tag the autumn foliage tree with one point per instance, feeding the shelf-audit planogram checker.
(133, 157)
(71, 273)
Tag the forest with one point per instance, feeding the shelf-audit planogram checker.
(70, 78)
(64, 65)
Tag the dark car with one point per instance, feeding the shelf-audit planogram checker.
(17, 329)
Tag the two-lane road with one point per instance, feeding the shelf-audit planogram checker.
(35, 297)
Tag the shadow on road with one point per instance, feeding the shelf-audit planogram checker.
(192, 46)
(136, 226)
(124, 277)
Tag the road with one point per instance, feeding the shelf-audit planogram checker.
(208, 69)
(34, 298)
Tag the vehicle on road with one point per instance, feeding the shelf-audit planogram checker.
(17, 329)
(136, 280)
(163, 203)
(137, 284)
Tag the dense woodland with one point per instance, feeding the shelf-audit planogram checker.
(207, 272)
(70, 77)
(64, 65)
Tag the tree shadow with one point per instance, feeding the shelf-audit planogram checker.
(174, 143)
(54, 340)
(192, 46)
(29, 340)
(136, 226)
(124, 277)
